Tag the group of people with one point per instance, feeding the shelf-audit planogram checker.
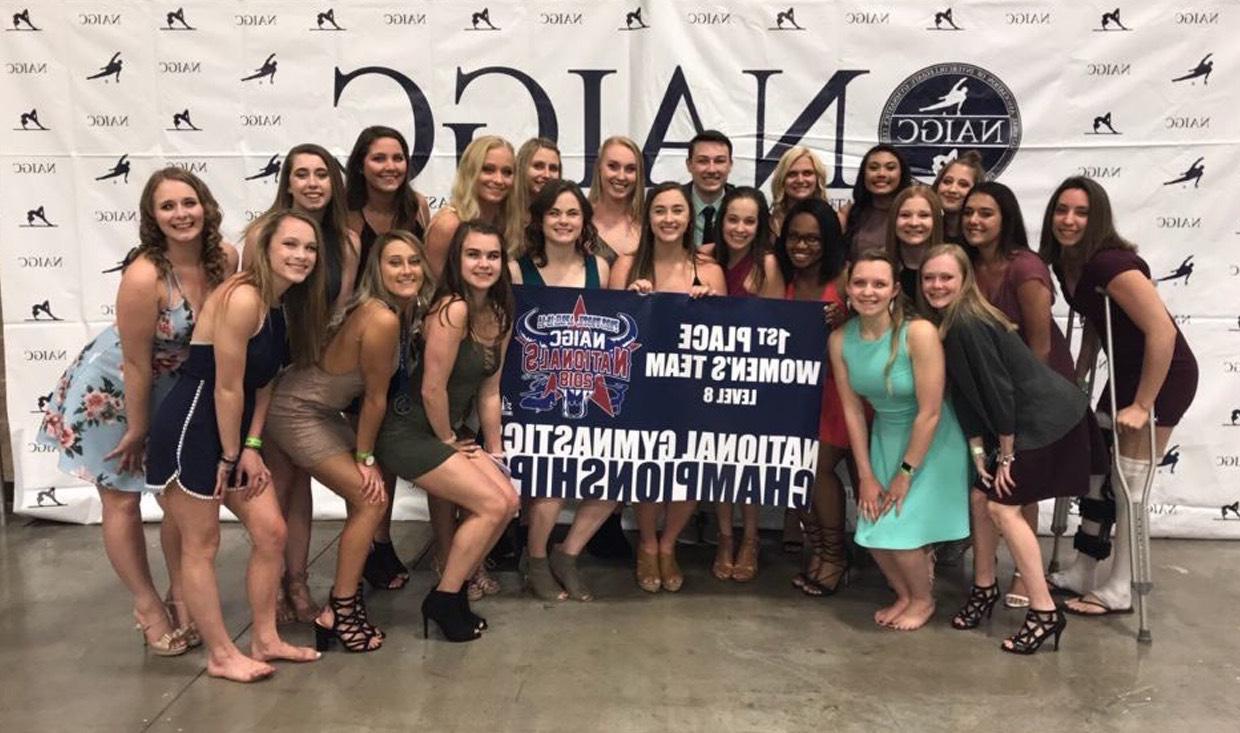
(357, 338)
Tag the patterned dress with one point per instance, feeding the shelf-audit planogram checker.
(85, 416)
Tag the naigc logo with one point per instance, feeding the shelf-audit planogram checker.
(952, 107)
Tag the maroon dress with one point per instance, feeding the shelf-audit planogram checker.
(1180, 386)
(737, 274)
(1023, 266)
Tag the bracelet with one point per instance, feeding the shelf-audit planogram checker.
(1007, 460)
(230, 461)
(977, 450)
(907, 468)
(253, 442)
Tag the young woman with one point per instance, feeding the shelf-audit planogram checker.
(812, 253)
(799, 175)
(1029, 429)
(380, 199)
(205, 438)
(1155, 373)
(558, 252)
(883, 174)
(617, 195)
(665, 262)
(306, 421)
(482, 189)
(466, 332)
(916, 225)
(380, 192)
(538, 161)
(952, 184)
(1016, 281)
(311, 182)
(743, 232)
(100, 412)
(912, 462)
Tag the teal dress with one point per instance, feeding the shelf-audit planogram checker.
(937, 506)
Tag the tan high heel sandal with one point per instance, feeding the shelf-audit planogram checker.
(746, 561)
(171, 644)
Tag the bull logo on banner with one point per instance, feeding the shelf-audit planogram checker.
(575, 359)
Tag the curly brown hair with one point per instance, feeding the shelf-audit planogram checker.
(151, 241)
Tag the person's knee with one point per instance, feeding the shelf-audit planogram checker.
(1002, 514)
(495, 507)
(269, 536)
(122, 505)
(200, 544)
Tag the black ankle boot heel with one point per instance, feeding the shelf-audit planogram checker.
(448, 614)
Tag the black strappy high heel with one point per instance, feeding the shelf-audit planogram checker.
(981, 602)
(1038, 627)
(349, 626)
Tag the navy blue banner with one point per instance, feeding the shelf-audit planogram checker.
(613, 395)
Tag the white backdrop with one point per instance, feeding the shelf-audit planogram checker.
(1042, 81)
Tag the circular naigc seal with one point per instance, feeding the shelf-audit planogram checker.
(943, 110)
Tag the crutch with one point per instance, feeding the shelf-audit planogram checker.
(1138, 505)
(1059, 518)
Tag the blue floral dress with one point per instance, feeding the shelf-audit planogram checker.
(85, 415)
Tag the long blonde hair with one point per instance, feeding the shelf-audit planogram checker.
(371, 287)
(465, 199)
(638, 195)
(897, 305)
(970, 303)
(793, 154)
(305, 304)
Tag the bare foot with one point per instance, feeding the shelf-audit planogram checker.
(239, 668)
(282, 650)
(884, 616)
(914, 617)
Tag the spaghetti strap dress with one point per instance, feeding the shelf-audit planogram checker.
(85, 415)
(937, 506)
(407, 445)
(531, 276)
(185, 438)
(831, 426)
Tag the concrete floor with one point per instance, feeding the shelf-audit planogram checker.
(716, 657)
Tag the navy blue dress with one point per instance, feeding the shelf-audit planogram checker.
(184, 436)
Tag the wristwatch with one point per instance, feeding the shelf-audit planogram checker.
(366, 459)
(907, 468)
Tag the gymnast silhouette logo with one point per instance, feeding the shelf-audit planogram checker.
(941, 161)
(266, 71)
(481, 21)
(633, 21)
(1171, 459)
(1233, 507)
(22, 22)
(943, 109)
(1103, 126)
(1110, 22)
(954, 97)
(111, 69)
(943, 21)
(575, 359)
(43, 401)
(1184, 271)
(120, 170)
(1194, 174)
(31, 118)
(1200, 71)
(42, 312)
(48, 494)
(786, 16)
(175, 21)
(182, 123)
(36, 219)
(326, 21)
(269, 170)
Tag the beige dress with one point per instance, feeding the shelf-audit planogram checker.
(306, 417)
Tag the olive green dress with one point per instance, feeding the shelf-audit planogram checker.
(407, 445)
